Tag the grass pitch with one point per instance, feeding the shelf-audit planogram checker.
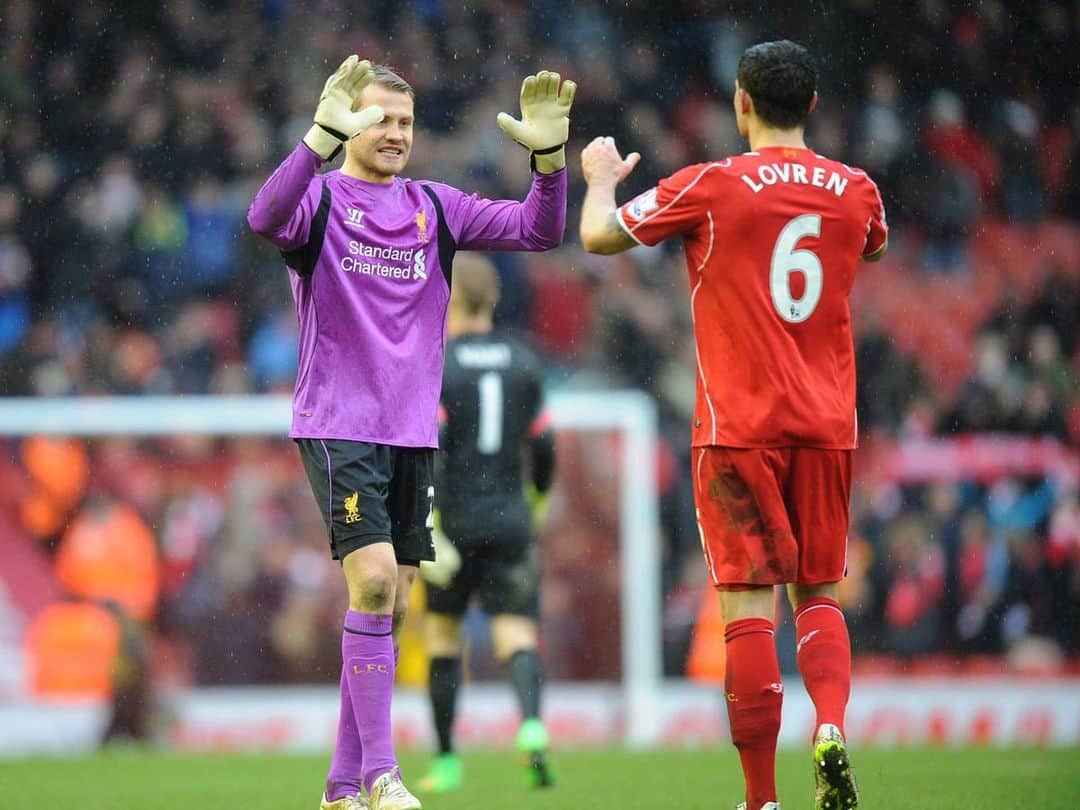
(935, 779)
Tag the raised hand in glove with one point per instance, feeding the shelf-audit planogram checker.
(442, 570)
(335, 121)
(545, 119)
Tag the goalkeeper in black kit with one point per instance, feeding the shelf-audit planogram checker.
(493, 430)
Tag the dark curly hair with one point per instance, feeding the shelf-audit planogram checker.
(780, 77)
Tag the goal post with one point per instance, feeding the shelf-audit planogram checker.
(631, 413)
(634, 414)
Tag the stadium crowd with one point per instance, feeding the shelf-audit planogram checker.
(134, 139)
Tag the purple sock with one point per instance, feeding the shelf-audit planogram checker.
(348, 761)
(368, 651)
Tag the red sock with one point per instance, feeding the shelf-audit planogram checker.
(824, 657)
(754, 697)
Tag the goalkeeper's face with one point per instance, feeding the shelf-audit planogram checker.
(382, 150)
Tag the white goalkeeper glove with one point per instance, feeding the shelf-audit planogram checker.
(545, 120)
(447, 562)
(335, 121)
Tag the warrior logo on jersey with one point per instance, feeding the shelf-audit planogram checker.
(352, 508)
(421, 224)
(355, 217)
(643, 204)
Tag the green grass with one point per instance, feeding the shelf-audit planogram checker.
(949, 779)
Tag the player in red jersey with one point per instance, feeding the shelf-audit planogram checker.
(773, 239)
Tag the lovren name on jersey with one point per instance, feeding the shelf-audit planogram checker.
(769, 174)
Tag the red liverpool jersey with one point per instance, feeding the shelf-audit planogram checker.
(772, 241)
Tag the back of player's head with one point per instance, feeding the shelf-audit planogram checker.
(476, 284)
(781, 78)
(388, 78)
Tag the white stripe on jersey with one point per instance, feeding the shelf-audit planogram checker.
(700, 527)
(693, 296)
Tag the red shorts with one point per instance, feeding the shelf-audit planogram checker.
(772, 516)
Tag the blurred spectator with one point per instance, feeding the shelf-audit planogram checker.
(1064, 558)
(109, 553)
(1027, 596)
(916, 583)
(978, 568)
(992, 396)
(68, 632)
(15, 273)
(1023, 187)
(58, 471)
(273, 352)
(953, 141)
(943, 198)
(883, 131)
(160, 235)
(132, 692)
(213, 228)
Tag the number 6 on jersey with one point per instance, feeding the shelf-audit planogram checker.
(787, 260)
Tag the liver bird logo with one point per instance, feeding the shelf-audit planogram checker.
(352, 508)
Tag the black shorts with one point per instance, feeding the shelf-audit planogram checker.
(372, 493)
(504, 577)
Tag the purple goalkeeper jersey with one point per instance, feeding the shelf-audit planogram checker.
(370, 276)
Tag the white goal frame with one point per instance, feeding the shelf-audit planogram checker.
(632, 413)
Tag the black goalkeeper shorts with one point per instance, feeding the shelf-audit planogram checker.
(372, 493)
(504, 577)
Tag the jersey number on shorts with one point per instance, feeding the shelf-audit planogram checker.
(490, 431)
(787, 260)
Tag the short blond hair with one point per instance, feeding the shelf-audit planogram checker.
(388, 78)
(475, 285)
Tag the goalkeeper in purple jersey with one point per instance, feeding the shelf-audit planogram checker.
(371, 254)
